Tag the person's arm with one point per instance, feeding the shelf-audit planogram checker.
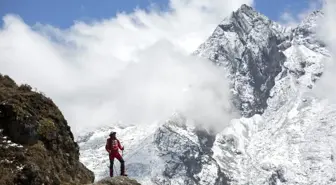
(108, 146)
(121, 147)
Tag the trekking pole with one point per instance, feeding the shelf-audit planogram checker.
(114, 169)
(122, 153)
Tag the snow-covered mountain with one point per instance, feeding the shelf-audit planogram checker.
(287, 135)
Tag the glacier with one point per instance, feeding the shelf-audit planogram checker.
(286, 134)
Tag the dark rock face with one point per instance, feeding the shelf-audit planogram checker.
(179, 163)
(277, 175)
(36, 143)
(248, 45)
(186, 155)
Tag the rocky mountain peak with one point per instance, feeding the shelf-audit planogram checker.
(246, 18)
(305, 33)
(247, 45)
(248, 10)
(312, 19)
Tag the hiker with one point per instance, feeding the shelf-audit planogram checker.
(112, 147)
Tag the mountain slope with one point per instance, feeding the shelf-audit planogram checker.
(174, 152)
(293, 141)
(286, 136)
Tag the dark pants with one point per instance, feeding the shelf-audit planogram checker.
(120, 159)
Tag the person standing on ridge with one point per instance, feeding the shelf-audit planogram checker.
(112, 147)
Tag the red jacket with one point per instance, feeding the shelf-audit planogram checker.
(109, 145)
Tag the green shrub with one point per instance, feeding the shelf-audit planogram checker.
(46, 128)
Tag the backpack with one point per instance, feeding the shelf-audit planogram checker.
(114, 144)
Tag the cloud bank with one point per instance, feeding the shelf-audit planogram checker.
(133, 67)
(326, 86)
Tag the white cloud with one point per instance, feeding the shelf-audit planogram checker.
(120, 68)
(326, 86)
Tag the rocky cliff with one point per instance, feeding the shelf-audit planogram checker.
(36, 143)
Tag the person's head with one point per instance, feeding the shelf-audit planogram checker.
(113, 135)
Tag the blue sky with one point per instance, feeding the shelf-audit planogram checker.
(62, 13)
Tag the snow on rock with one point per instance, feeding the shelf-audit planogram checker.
(305, 33)
(293, 150)
(287, 135)
(293, 141)
(172, 152)
(6, 143)
(6, 161)
(133, 138)
(246, 45)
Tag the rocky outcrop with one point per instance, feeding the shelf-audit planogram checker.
(36, 143)
(117, 181)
